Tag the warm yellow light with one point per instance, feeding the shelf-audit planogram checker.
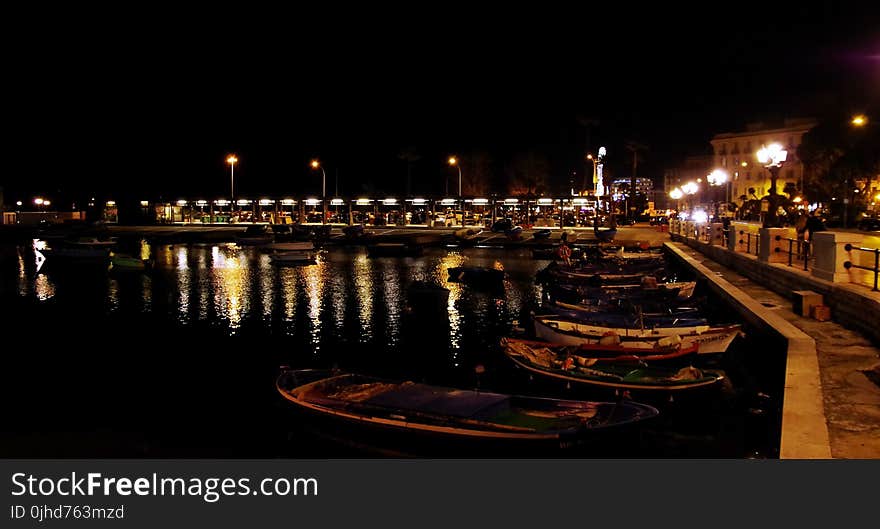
(589, 157)
(690, 188)
(717, 177)
(859, 120)
(797, 200)
(232, 159)
(315, 164)
(676, 194)
(745, 164)
(452, 160)
(38, 201)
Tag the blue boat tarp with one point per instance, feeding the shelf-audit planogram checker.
(445, 401)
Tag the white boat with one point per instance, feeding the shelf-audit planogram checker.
(709, 339)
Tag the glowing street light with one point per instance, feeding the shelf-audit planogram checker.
(676, 194)
(317, 165)
(231, 160)
(859, 120)
(719, 177)
(772, 157)
(690, 188)
(453, 161)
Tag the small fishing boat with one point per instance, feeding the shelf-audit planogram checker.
(450, 415)
(548, 362)
(514, 233)
(610, 351)
(628, 320)
(711, 339)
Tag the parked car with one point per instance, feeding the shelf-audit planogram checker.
(869, 224)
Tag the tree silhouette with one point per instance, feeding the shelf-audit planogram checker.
(410, 156)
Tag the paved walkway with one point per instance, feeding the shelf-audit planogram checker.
(849, 366)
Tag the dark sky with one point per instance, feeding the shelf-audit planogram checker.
(132, 107)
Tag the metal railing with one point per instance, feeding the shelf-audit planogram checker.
(748, 241)
(875, 268)
(797, 248)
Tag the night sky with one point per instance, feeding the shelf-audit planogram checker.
(151, 110)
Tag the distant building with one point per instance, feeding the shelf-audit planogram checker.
(735, 152)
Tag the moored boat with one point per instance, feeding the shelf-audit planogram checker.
(711, 339)
(610, 351)
(618, 375)
(453, 415)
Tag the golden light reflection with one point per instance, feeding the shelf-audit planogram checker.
(287, 279)
(451, 260)
(391, 288)
(363, 279)
(314, 290)
(184, 282)
(146, 250)
(43, 287)
(267, 289)
(231, 289)
(113, 295)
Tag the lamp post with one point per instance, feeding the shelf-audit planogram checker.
(676, 195)
(317, 165)
(718, 177)
(453, 161)
(231, 160)
(690, 189)
(772, 157)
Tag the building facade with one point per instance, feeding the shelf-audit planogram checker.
(736, 153)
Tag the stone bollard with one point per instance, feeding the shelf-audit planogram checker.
(716, 234)
(773, 250)
(829, 247)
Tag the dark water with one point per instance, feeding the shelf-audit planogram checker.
(181, 361)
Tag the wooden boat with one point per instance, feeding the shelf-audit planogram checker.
(542, 234)
(625, 308)
(609, 352)
(710, 339)
(629, 320)
(450, 414)
(618, 375)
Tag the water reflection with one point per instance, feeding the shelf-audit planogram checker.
(346, 298)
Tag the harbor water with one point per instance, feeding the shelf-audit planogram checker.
(180, 360)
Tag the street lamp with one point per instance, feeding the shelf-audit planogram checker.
(676, 195)
(772, 157)
(859, 120)
(453, 161)
(317, 165)
(231, 160)
(719, 177)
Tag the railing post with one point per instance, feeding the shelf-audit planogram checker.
(876, 266)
